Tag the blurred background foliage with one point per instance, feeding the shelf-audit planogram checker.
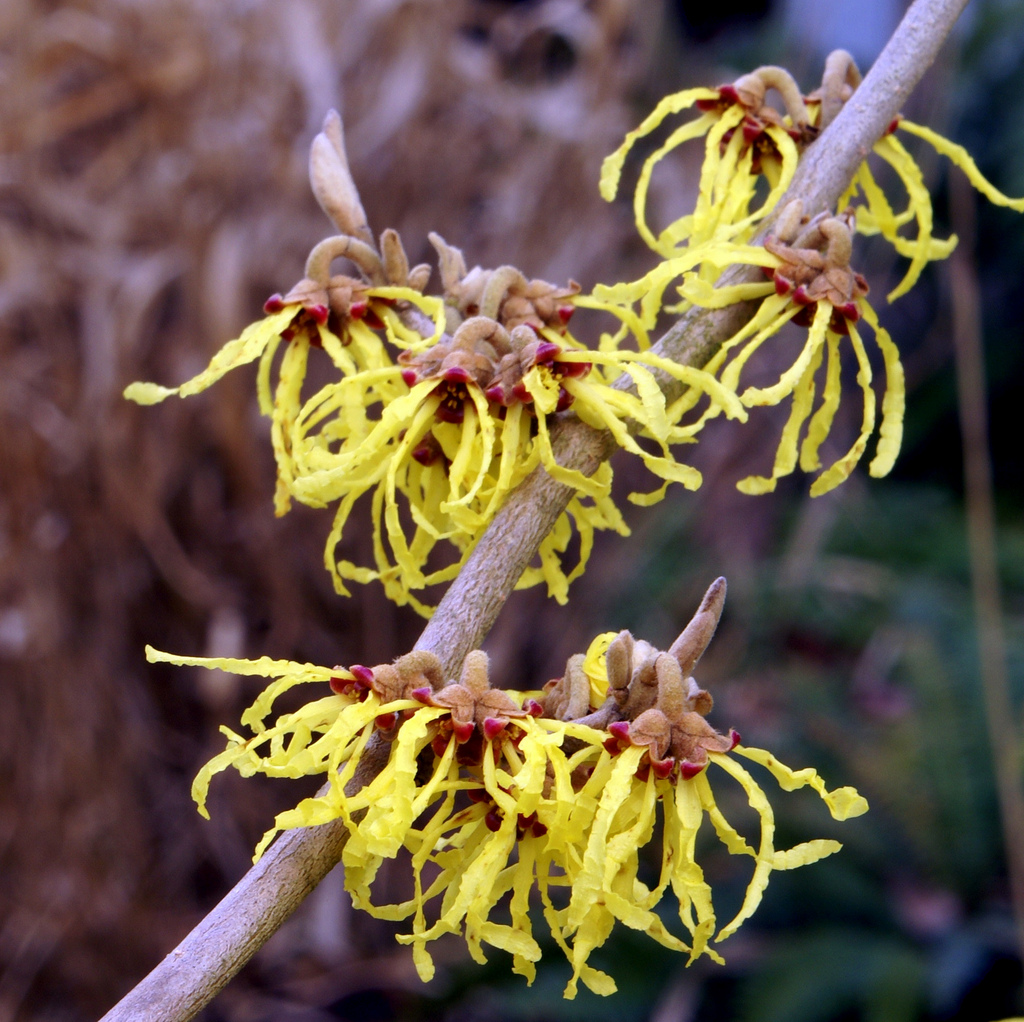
(153, 193)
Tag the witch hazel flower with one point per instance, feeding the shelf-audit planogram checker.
(877, 215)
(654, 765)
(443, 405)
(343, 315)
(746, 138)
(499, 799)
(814, 286)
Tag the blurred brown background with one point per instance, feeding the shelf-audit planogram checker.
(153, 192)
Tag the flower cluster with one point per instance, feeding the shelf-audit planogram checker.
(807, 258)
(442, 404)
(510, 805)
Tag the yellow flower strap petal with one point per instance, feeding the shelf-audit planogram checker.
(705, 213)
(766, 850)
(843, 803)
(611, 168)
(821, 422)
(791, 377)
(246, 348)
(683, 817)
(892, 151)
(840, 470)
(890, 433)
(786, 454)
(962, 158)
(692, 129)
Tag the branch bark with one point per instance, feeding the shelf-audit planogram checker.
(191, 975)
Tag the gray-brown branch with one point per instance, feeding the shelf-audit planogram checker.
(193, 973)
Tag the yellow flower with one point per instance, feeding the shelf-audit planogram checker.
(812, 285)
(839, 83)
(657, 752)
(879, 218)
(746, 138)
(339, 314)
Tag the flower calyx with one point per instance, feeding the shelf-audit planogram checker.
(467, 358)
(414, 672)
(676, 735)
(814, 257)
(503, 294)
(529, 351)
(477, 710)
(482, 353)
(750, 92)
(660, 705)
(332, 304)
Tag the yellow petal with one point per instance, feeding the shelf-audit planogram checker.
(148, 393)
(962, 158)
(840, 470)
(611, 168)
(843, 803)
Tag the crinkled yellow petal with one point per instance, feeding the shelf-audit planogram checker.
(773, 313)
(687, 878)
(797, 371)
(806, 853)
(727, 833)
(821, 422)
(766, 851)
(264, 666)
(962, 158)
(287, 404)
(841, 469)
(890, 433)
(237, 749)
(716, 172)
(707, 296)
(790, 157)
(878, 218)
(692, 129)
(148, 393)
(244, 349)
(601, 408)
(736, 185)
(264, 395)
(392, 794)
(611, 168)
(786, 454)
(843, 803)
(892, 151)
